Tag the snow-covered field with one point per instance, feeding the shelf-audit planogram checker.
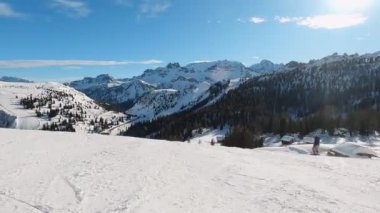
(65, 172)
(9, 104)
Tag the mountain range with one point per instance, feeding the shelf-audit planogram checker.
(172, 102)
(14, 79)
(335, 91)
(167, 90)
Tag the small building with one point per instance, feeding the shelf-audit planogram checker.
(341, 132)
(287, 140)
(220, 138)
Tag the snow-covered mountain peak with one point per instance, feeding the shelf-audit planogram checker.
(137, 82)
(227, 66)
(176, 77)
(332, 58)
(99, 81)
(293, 64)
(14, 79)
(170, 88)
(173, 66)
(174, 87)
(266, 66)
(212, 65)
(344, 57)
(105, 78)
(372, 55)
(138, 85)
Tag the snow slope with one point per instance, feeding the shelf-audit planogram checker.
(13, 115)
(9, 104)
(64, 172)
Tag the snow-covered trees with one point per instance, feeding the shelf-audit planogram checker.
(61, 111)
(242, 137)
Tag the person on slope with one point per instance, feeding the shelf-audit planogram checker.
(315, 150)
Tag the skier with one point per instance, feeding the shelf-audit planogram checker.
(315, 150)
(212, 142)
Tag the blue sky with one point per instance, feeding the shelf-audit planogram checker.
(68, 39)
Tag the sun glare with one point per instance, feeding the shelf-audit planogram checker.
(349, 5)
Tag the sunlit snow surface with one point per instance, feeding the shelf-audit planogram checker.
(65, 172)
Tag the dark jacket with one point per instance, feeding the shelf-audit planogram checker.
(316, 141)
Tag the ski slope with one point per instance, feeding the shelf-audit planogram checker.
(65, 172)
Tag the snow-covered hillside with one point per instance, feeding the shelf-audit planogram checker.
(169, 89)
(65, 172)
(52, 106)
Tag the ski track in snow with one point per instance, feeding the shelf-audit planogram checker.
(63, 172)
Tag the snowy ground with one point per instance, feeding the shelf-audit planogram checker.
(64, 172)
(25, 119)
(303, 146)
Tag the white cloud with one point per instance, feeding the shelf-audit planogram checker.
(333, 21)
(287, 19)
(256, 20)
(10, 64)
(128, 3)
(153, 7)
(146, 8)
(349, 5)
(328, 21)
(72, 8)
(7, 11)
